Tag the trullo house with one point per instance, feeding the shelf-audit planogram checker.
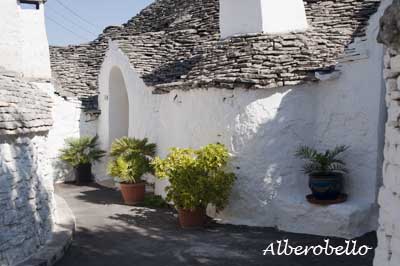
(262, 77)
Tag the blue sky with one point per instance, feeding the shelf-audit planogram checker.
(79, 21)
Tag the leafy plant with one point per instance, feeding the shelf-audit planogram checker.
(79, 151)
(154, 201)
(322, 163)
(197, 177)
(131, 159)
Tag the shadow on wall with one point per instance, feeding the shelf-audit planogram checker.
(267, 131)
(264, 129)
(25, 198)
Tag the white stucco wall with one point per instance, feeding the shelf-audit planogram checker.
(283, 16)
(10, 43)
(263, 129)
(69, 121)
(35, 48)
(23, 43)
(254, 16)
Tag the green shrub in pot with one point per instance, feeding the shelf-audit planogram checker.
(131, 160)
(197, 178)
(81, 153)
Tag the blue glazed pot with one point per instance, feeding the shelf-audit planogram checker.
(326, 186)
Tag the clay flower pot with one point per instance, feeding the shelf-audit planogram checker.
(83, 174)
(192, 218)
(133, 193)
(326, 186)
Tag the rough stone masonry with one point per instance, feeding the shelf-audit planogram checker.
(25, 191)
(388, 252)
(176, 44)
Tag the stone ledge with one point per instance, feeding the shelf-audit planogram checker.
(347, 220)
(60, 241)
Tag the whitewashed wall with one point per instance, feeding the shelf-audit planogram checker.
(25, 197)
(26, 190)
(29, 165)
(26, 193)
(69, 122)
(263, 129)
(35, 53)
(23, 43)
(10, 43)
(388, 251)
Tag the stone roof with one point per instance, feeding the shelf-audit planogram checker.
(176, 44)
(24, 108)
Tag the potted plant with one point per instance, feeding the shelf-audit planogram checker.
(131, 160)
(325, 170)
(81, 153)
(197, 178)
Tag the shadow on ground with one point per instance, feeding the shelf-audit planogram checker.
(109, 233)
(97, 194)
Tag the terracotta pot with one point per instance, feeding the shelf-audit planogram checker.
(83, 174)
(192, 218)
(133, 193)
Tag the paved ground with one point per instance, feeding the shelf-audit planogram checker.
(110, 233)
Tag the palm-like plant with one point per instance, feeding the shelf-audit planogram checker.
(131, 159)
(322, 163)
(80, 151)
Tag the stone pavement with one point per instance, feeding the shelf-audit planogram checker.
(110, 233)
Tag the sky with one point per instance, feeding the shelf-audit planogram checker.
(80, 21)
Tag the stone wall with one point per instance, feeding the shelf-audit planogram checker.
(26, 184)
(25, 197)
(388, 251)
(29, 163)
(27, 167)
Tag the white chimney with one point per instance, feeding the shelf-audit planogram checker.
(23, 43)
(261, 16)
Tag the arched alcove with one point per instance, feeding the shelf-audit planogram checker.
(118, 106)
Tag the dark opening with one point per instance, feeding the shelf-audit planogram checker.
(29, 4)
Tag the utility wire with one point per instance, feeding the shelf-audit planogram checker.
(65, 28)
(76, 14)
(71, 21)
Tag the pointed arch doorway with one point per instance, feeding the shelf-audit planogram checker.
(118, 107)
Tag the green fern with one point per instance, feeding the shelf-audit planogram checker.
(322, 163)
(82, 150)
(131, 159)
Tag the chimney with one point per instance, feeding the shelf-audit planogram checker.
(261, 16)
(23, 44)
